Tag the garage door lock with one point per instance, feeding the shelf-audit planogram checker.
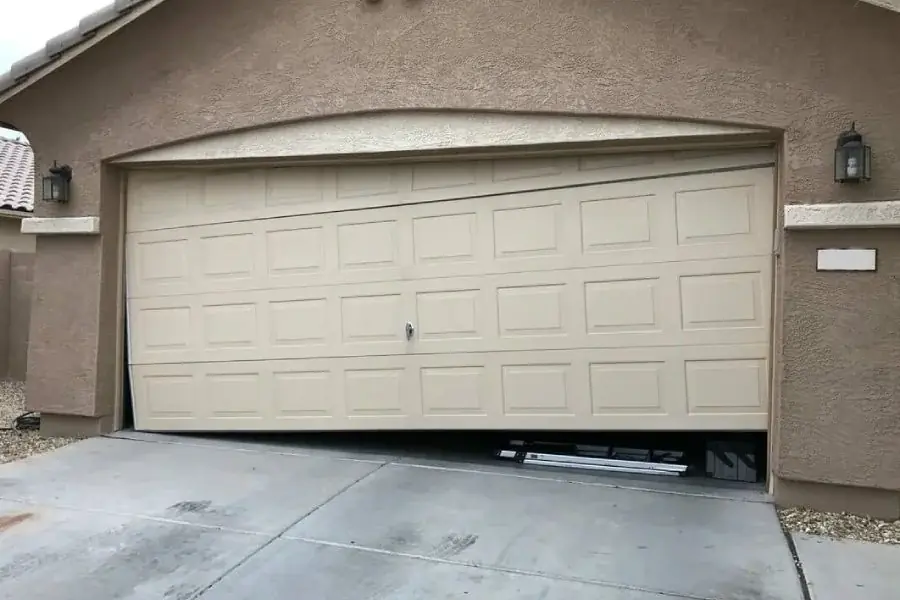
(410, 330)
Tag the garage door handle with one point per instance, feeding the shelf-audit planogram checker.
(410, 330)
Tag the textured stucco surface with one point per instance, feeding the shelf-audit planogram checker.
(192, 68)
(840, 400)
(842, 215)
(11, 237)
(418, 131)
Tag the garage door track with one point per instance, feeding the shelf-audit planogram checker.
(160, 517)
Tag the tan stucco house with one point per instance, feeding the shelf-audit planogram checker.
(494, 214)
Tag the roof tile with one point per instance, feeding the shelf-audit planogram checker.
(97, 19)
(17, 176)
(26, 65)
(59, 44)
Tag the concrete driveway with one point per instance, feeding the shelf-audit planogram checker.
(163, 517)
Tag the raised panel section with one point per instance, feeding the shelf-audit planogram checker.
(522, 232)
(453, 390)
(610, 161)
(508, 170)
(444, 238)
(622, 306)
(231, 395)
(302, 394)
(372, 318)
(535, 310)
(721, 301)
(714, 215)
(227, 256)
(230, 326)
(372, 392)
(627, 388)
(448, 314)
(233, 188)
(164, 328)
(368, 245)
(299, 322)
(615, 224)
(162, 261)
(292, 185)
(295, 251)
(162, 193)
(726, 385)
(536, 389)
(358, 182)
(170, 396)
(431, 176)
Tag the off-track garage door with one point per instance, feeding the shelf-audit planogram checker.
(447, 295)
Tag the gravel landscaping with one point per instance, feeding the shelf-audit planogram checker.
(17, 444)
(840, 526)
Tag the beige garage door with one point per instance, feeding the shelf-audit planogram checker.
(560, 293)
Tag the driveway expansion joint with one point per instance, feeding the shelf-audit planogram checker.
(280, 534)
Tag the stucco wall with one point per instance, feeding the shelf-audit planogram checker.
(16, 272)
(193, 67)
(840, 400)
(11, 237)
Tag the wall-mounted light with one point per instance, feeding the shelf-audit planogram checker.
(852, 158)
(56, 184)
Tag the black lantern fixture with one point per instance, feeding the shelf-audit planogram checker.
(56, 184)
(852, 158)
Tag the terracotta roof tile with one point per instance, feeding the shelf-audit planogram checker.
(17, 176)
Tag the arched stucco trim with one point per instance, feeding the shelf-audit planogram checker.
(430, 131)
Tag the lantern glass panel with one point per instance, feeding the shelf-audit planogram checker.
(58, 189)
(853, 157)
(47, 193)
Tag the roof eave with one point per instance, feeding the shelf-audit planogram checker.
(893, 5)
(61, 49)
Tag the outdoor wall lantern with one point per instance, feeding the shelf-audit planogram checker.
(56, 184)
(852, 158)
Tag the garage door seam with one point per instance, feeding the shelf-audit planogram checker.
(281, 533)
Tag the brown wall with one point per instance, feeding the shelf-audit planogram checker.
(194, 67)
(12, 238)
(840, 401)
(16, 271)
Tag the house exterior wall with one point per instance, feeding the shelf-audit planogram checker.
(16, 271)
(11, 237)
(784, 65)
(21, 275)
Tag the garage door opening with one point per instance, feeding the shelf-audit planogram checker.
(593, 293)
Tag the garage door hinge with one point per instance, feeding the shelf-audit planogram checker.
(776, 243)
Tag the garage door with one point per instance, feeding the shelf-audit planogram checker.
(558, 293)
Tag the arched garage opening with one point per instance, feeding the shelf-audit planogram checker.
(454, 271)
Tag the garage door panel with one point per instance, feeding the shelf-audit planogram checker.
(670, 304)
(178, 197)
(571, 228)
(651, 388)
